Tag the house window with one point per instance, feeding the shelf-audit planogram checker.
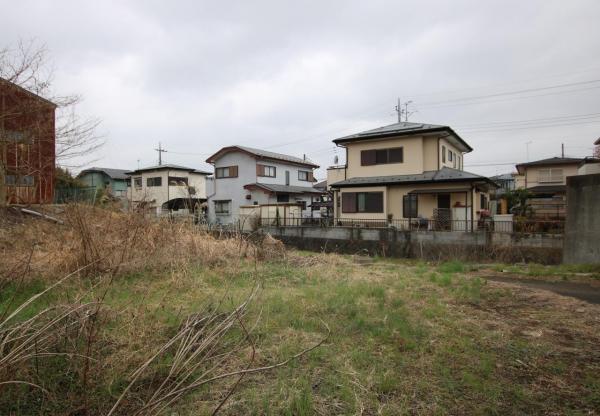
(443, 154)
(381, 156)
(178, 181)
(302, 204)
(156, 181)
(482, 201)
(550, 175)
(138, 182)
(266, 171)
(410, 206)
(128, 182)
(449, 155)
(303, 175)
(226, 172)
(283, 198)
(371, 202)
(19, 180)
(222, 207)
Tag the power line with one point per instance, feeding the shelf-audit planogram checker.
(500, 94)
(533, 120)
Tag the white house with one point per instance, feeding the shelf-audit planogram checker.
(247, 176)
(167, 188)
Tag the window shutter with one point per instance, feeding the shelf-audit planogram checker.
(349, 202)
(233, 171)
(311, 177)
(396, 155)
(374, 202)
(367, 157)
(260, 170)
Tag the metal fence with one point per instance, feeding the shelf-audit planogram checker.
(69, 195)
(424, 224)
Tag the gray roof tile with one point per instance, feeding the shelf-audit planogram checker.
(267, 154)
(432, 176)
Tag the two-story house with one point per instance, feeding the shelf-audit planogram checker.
(167, 188)
(408, 171)
(248, 176)
(113, 181)
(546, 181)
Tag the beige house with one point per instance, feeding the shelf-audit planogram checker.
(406, 174)
(167, 188)
(546, 181)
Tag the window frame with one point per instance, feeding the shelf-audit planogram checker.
(307, 175)
(154, 182)
(367, 205)
(178, 179)
(551, 178)
(223, 203)
(264, 171)
(219, 172)
(371, 157)
(410, 199)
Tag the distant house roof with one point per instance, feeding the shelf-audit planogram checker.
(432, 176)
(110, 172)
(405, 129)
(284, 189)
(588, 160)
(168, 166)
(321, 185)
(262, 154)
(549, 162)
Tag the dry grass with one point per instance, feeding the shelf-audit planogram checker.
(112, 240)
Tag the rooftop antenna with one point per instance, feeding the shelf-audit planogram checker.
(138, 163)
(562, 150)
(403, 111)
(160, 151)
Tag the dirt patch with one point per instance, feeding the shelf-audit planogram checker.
(580, 291)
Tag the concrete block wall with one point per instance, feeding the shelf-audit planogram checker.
(543, 248)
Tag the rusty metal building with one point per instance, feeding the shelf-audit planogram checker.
(27, 145)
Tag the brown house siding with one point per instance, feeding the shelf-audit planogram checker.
(27, 131)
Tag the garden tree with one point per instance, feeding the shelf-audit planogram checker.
(27, 67)
(517, 202)
(64, 179)
(597, 151)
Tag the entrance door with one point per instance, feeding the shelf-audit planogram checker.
(442, 213)
(443, 201)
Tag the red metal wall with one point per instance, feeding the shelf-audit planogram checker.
(27, 130)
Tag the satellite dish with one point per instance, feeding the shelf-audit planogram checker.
(335, 160)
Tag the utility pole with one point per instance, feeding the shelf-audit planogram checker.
(527, 149)
(160, 151)
(399, 110)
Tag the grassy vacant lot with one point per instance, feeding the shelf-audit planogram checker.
(406, 338)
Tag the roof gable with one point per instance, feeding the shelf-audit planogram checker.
(551, 161)
(168, 166)
(406, 129)
(262, 154)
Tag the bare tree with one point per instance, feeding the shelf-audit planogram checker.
(26, 78)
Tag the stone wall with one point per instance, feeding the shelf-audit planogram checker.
(438, 245)
(582, 229)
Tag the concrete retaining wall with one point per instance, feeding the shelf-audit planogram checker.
(542, 248)
(582, 229)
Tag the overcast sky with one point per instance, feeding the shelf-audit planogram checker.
(292, 76)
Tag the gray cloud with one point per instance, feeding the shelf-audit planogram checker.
(292, 76)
